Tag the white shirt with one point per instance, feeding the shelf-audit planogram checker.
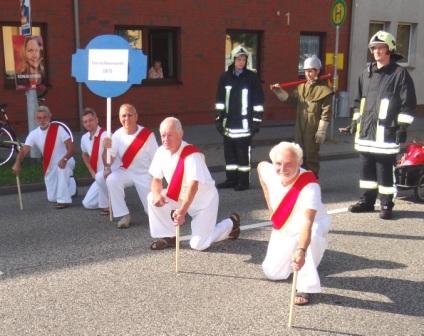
(120, 143)
(87, 142)
(309, 198)
(195, 169)
(37, 138)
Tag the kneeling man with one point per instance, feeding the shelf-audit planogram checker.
(300, 221)
(191, 190)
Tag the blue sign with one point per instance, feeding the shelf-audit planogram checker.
(109, 66)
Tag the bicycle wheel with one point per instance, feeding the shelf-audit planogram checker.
(7, 146)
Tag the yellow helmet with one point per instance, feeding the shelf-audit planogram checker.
(383, 37)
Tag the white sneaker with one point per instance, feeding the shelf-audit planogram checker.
(124, 222)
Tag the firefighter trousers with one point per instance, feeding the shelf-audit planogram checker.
(377, 178)
(237, 160)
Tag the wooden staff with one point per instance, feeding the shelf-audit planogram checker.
(293, 295)
(18, 184)
(177, 248)
(177, 244)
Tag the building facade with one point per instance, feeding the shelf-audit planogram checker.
(405, 21)
(191, 39)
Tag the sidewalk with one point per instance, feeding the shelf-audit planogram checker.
(210, 143)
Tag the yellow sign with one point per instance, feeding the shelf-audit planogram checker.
(329, 60)
(338, 12)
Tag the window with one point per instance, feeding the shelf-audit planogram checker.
(403, 41)
(250, 40)
(309, 44)
(373, 28)
(160, 46)
(8, 31)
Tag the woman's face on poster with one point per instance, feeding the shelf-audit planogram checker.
(33, 54)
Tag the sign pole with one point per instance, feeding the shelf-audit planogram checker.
(335, 79)
(108, 125)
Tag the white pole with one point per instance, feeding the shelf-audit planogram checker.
(109, 134)
(293, 295)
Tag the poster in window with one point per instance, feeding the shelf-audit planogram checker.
(25, 12)
(29, 61)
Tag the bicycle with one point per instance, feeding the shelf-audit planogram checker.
(9, 143)
(8, 140)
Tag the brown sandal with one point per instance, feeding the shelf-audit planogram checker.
(235, 232)
(302, 299)
(60, 206)
(104, 212)
(163, 243)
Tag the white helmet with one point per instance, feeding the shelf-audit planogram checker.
(312, 62)
(238, 51)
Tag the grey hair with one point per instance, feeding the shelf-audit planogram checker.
(45, 109)
(283, 146)
(173, 121)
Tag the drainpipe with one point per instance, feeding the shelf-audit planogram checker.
(77, 46)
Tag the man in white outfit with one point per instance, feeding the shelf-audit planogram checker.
(91, 152)
(56, 147)
(132, 150)
(191, 190)
(300, 222)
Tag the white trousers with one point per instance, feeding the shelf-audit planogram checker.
(204, 228)
(60, 185)
(97, 196)
(277, 263)
(122, 178)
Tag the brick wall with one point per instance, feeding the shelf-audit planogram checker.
(203, 26)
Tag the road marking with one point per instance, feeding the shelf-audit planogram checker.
(267, 223)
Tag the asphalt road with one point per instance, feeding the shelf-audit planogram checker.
(71, 272)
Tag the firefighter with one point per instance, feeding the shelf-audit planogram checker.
(313, 112)
(239, 109)
(383, 109)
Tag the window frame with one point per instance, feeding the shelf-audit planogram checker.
(321, 36)
(411, 47)
(146, 49)
(259, 46)
(9, 84)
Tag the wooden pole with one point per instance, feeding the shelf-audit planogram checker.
(177, 248)
(18, 184)
(293, 295)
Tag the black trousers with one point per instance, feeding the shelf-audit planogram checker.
(237, 159)
(377, 177)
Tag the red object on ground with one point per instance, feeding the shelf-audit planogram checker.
(414, 155)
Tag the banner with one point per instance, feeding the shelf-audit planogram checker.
(29, 61)
(25, 12)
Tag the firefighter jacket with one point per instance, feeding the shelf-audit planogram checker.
(239, 104)
(385, 102)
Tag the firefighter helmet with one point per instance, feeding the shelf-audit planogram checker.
(312, 62)
(383, 37)
(238, 51)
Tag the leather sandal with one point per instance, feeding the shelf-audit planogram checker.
(163, 243)
(235, 232)
(60, 206)
(302, 299)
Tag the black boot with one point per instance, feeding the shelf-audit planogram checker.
(226, 184)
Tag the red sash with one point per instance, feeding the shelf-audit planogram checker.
(49, 146)
(174, 187)
(135, 146)
(284, 210)
(95, 150)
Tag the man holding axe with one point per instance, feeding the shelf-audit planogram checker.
(300, 222)
(313, 112)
